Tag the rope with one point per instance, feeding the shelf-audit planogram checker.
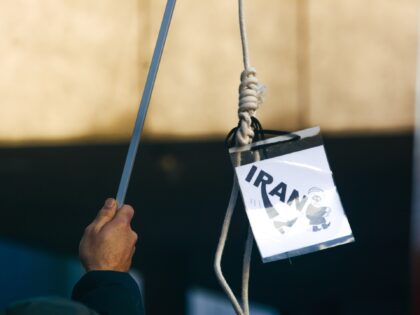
(221, 247)
(250, 98)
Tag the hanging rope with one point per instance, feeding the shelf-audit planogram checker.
(250, 98)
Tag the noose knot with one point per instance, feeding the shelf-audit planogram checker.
(251, 96)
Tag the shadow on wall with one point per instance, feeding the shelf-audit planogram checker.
(180, 190)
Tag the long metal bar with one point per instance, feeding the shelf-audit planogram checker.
(415, 214)
(144, 103)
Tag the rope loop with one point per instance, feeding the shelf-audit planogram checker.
(251, 94)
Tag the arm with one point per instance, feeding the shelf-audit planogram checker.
(106, 251)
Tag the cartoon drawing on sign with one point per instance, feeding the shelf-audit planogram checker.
(280, 225)
(316, 212)
(285, 211)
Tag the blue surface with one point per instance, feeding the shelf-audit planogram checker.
(26, 272)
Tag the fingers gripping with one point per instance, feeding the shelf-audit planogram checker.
(124, 215)
(106, 214)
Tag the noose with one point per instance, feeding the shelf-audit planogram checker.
(250, 98)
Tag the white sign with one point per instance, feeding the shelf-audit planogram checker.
(292, 204)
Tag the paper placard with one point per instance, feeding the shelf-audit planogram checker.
(291, 200)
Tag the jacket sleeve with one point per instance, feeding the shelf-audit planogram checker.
(109, 293)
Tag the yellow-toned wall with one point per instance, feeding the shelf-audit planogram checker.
(75, 69)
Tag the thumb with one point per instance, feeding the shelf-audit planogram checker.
(106, 214)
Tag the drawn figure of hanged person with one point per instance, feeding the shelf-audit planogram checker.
(316, 212)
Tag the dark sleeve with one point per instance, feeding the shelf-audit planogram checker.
(109, 293)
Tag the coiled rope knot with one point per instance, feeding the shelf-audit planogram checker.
(251, 96)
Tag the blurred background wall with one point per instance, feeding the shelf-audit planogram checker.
(71, 78)
(76, 69)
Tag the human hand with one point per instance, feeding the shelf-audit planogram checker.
(108, 243)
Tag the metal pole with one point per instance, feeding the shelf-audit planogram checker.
(145, 100)
(415, 214)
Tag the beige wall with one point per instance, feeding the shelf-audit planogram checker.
(362, 64)
(75, 69)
